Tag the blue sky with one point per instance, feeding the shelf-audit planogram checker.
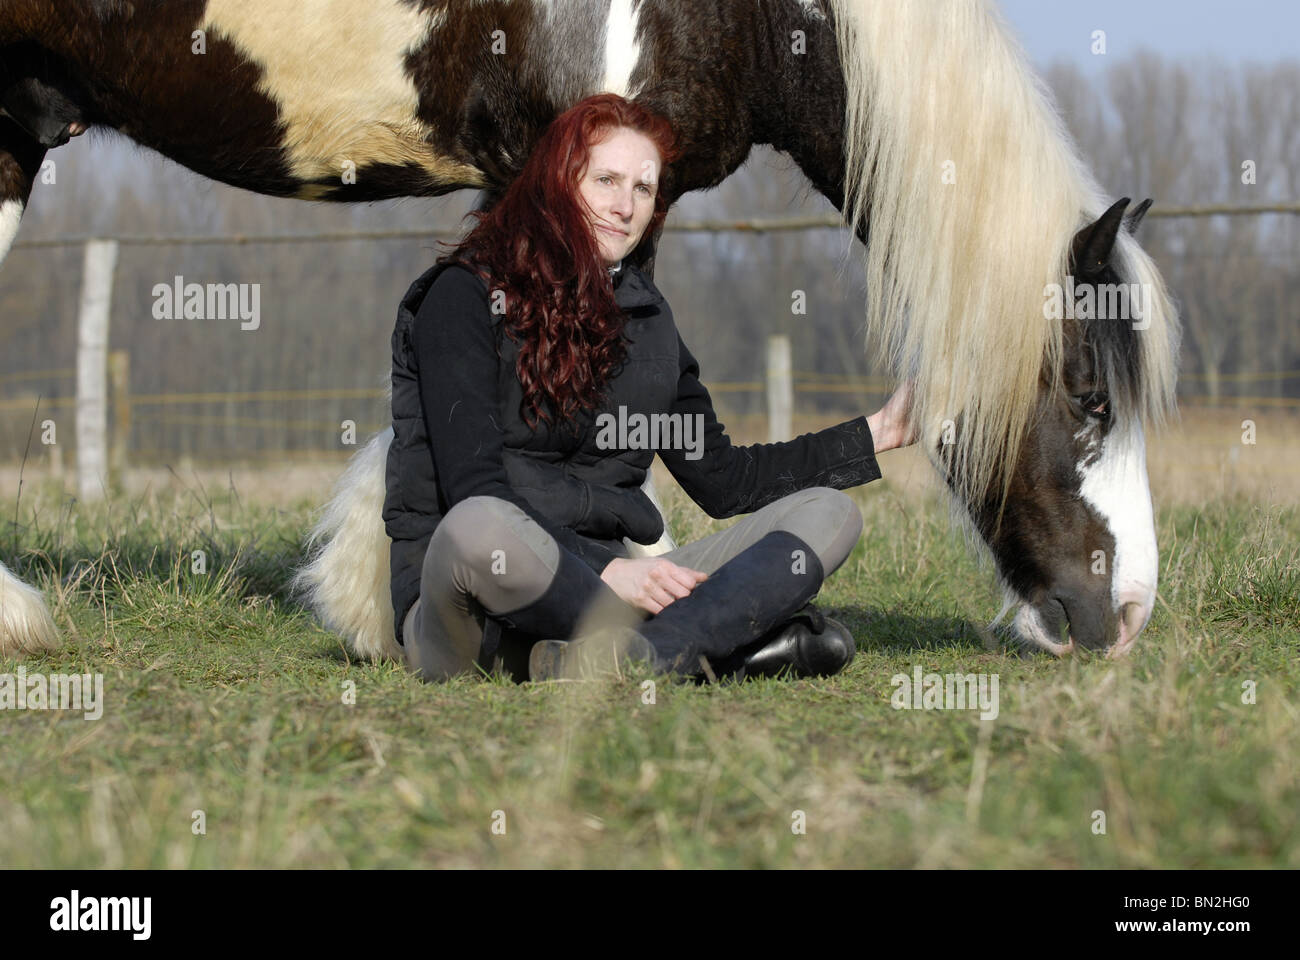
(1233, 30)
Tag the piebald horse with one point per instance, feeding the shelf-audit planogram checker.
(918, 119)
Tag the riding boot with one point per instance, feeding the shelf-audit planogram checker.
(808, 644)
(575, 592)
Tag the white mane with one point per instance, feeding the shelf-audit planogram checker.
(972, 190)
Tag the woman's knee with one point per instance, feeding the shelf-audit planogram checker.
(829, 521)
(492, 549)
(481, 529)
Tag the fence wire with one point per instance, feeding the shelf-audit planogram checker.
(311, 376)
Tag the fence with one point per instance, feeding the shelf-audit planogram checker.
(99, 372)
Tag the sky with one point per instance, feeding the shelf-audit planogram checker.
(1234, 30)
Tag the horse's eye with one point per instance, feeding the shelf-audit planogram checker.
(1095, 404)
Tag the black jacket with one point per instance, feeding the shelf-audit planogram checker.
(583, 492)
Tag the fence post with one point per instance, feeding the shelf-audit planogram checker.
(780, 389)
(119, 377)
(92, 360)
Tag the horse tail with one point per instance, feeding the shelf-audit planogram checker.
(346, 578)
(26, 626)
(20, 164)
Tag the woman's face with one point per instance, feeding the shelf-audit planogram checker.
(619, 186)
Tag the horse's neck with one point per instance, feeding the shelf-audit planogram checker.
(798, 98)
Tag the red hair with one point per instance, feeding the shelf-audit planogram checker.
(536, 245)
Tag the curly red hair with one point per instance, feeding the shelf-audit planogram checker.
(535, 244)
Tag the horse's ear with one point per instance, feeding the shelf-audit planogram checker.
(1134, 219)
(1093, 244)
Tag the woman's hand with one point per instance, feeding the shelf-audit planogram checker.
(891, 426)
(650, 583)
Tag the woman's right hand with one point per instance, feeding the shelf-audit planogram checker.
(650, 583)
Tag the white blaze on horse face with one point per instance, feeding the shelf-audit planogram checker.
(11, 215)
(1115, 486)
(621, 49)
(337, 73)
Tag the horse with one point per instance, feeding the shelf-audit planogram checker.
(919, 120)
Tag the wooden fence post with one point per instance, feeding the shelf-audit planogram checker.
(780, 389)
(119, 376)
(92, 349)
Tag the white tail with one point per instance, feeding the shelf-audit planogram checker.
(25, 623)
(346, 579)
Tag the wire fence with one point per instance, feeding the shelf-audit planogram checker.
(751, 225)
(159, 424)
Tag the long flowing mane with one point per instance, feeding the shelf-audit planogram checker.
(972, 190)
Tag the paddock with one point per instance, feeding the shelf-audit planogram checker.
(235, 731)
(222, 695)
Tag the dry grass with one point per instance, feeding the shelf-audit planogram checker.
(1198, 459)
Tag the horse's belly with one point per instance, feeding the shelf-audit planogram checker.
(338, 76)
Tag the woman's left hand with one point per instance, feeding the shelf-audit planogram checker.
(891, 426)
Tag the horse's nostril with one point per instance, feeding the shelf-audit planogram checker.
(1133, 617)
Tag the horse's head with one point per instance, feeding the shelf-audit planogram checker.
(1074, 541)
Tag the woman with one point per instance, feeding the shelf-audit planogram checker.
(509, 493)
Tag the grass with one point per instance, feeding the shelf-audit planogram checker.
(222, 696)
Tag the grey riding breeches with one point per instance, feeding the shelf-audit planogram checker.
(487, 557)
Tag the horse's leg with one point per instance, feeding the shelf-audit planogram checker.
(25, 622)
(20, 163)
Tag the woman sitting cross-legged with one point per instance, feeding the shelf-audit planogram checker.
(536, 373)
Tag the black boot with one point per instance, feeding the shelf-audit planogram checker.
(807, 645)
(742, 601)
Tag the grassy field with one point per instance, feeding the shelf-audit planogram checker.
(222, 696)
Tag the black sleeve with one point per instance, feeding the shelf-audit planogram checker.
(727, 480)
(456, 350)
